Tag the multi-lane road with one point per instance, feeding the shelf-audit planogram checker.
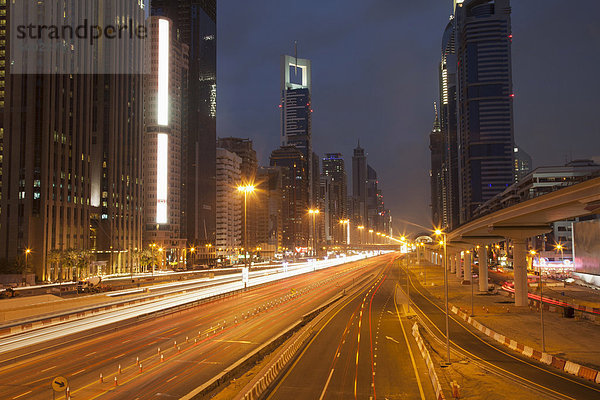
(361, 350)
(171, 355)
(549, 382)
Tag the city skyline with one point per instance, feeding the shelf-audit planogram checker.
(547, 136)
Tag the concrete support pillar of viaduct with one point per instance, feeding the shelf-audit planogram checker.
(483, 269)
(520, 271)
(452, 261)
(519, 236)
(468, 271)
(458, 261)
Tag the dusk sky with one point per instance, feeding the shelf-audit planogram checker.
(374, 78)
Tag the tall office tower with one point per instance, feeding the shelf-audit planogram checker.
(485, 101)
(436, 175)
(295, 202)
(229, 209)
(372, 199)
(243, 148)
(55, 116)
(164, 92)
(359, 186)
(269, 215)
(196, 24)
(335, 194)
(116, 161)
(449, 128)
(296, 114)
(523, 163)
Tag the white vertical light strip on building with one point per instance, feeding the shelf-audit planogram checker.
(162, 164)
(163, 72)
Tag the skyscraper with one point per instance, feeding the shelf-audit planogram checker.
(294, 200)
(485, 101)
(359, 186)
(334, 194)
(296, 114)
(164, 134)
(448, 214)
(436, 175)
(196, 25)
(71, 147)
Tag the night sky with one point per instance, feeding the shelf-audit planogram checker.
(374, 78)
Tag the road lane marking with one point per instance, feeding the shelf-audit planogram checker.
(497, 349)
(93, 352)
(78, 372)
(392, 339)
(48, 369)
(21, 395)
(326, 384)
(348, 301)
(412, 358)
(169, 380)
(119, 356)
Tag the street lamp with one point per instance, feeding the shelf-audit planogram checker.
(246, 189)
(360, 231)
(313, 213)
(438, 232)
(372, 239)
(27, 251)
(347, 223)
(560, 247)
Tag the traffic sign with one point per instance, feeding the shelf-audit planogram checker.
(59, 384)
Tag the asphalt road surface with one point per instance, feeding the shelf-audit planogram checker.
(168, 357)
(468, 342)
(362, 350)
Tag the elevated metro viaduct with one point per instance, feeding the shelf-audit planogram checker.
(517, 223)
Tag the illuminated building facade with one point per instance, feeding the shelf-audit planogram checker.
(269, 209)
(446, 211)
(196, 25)
(164, 133)
(243, 148)
(359, 186)
(334, 193)
(296, 116)
(523, 163)
(229, 208)
(484, 101)
(294, 200)
(436, 174)
(70, 154)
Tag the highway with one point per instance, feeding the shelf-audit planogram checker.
(169, 356)
(167, 296)
(468, 343)
(362, 350)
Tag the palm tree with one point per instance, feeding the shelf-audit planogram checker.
(54, 257)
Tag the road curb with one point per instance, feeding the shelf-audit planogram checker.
(439, 394)
(569, 367)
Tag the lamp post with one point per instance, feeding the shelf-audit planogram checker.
(360, 231)
(438, 232)
(27, 251)
(313, 213)
(347, 223)
(246, 189)
(371, 232)
(560, 247)
(533, 253)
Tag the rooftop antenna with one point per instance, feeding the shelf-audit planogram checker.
(296, 55)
